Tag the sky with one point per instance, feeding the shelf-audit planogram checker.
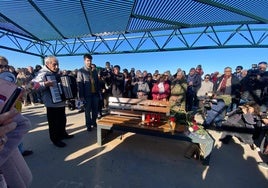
(211, 60)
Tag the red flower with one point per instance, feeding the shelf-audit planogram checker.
(195, 127)
(172, 119)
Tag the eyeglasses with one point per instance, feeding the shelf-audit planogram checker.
(4, 66)
(206, 77)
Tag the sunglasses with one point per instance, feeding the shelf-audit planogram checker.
(4, 66)
(206, 77)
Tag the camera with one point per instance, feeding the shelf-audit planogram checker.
(252, 75)
(208, 102)
(254, 66)
(253, 72)
(209, 99)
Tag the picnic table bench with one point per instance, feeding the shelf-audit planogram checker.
(147, 117)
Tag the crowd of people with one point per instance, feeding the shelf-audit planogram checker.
(186, 91)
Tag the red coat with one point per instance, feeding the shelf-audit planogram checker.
(161, 96)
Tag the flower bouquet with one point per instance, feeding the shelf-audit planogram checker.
(193, 126)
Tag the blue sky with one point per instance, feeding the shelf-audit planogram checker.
(211, 60)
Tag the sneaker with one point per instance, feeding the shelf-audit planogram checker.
(94, 125)
(263, 165)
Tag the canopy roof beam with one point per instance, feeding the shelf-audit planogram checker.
(210, 37)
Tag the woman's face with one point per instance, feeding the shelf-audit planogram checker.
(179, 76)
(192, 72)
(3, 66)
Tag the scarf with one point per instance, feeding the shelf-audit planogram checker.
(223, 83)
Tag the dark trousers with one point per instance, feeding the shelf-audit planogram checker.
(191, 99)
(91, 110)
(56, 118)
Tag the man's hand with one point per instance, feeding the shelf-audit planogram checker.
(48, 83)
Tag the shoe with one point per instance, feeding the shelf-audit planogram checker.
(225, 140)
(89, 129)
(263, 165)
(205, 161)
(68, 136)
(59, 144)
(26, 153)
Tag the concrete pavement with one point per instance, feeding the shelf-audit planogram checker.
(132, 160)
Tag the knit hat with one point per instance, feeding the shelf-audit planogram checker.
(239, 67)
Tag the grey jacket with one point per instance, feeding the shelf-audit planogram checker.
(45, 91)
(84, 84)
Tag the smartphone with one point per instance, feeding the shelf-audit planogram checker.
(9, 93)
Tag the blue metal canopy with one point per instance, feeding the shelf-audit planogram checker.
(131, 26)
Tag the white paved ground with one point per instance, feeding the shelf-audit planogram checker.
(133, 160)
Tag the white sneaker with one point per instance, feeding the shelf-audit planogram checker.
(258, 149)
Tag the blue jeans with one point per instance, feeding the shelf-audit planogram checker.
(91, 110)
